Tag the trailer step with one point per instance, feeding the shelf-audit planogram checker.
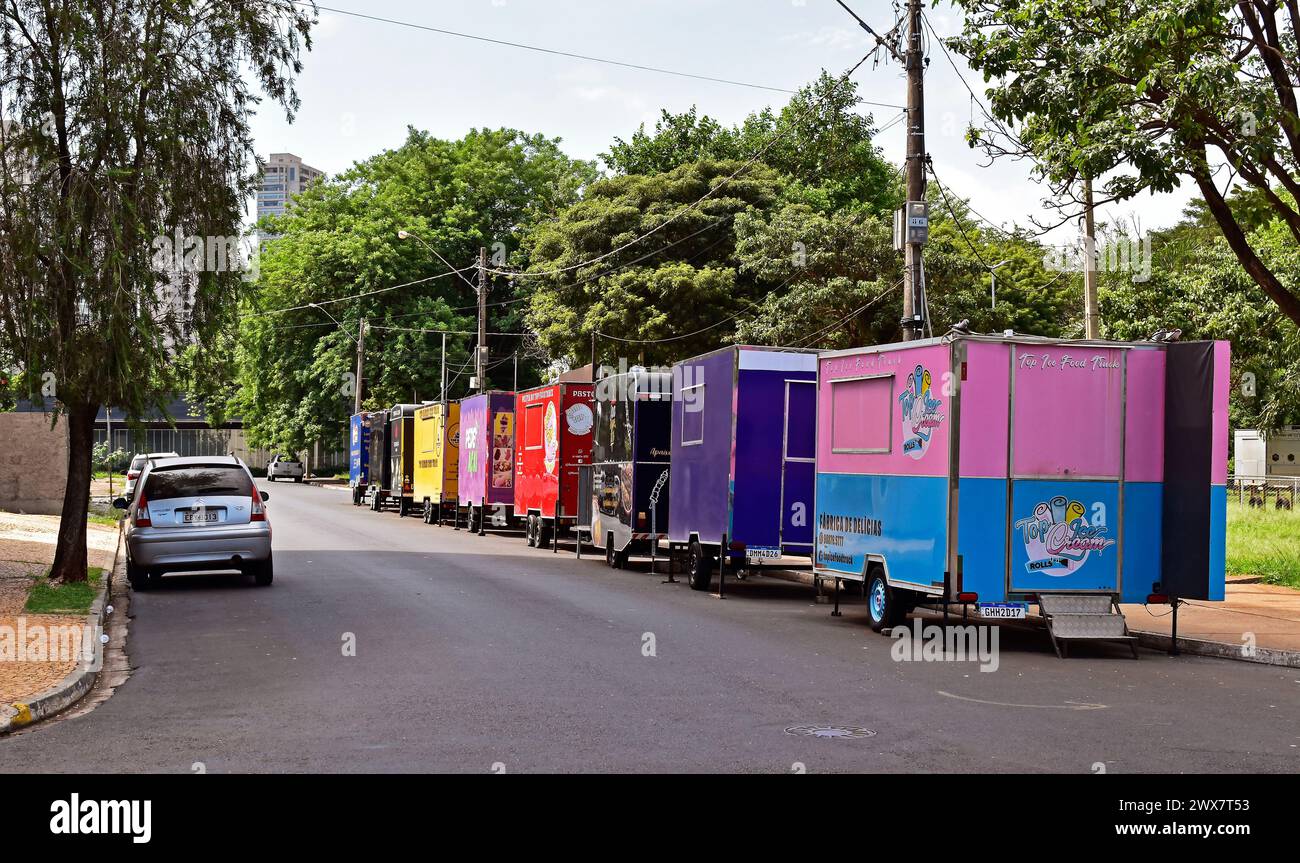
(1084, 617)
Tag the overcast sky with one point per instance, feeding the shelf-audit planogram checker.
(365, 81)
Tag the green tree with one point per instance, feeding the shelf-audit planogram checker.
(293, 376)
(125, 125)
(1150, 93)
(680, 283)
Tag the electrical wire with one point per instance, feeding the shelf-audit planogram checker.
(714, 189)
(536, 48)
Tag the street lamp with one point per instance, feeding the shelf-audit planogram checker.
(331, 317)
(993, 281)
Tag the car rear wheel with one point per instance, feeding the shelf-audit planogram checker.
(138, 576)
(270, 477)
(263, 572)
(699, 567)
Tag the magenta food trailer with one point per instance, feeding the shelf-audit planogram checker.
(996, 471)
(486, 470)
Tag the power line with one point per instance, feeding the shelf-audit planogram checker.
(552, 51)
(353, 296)
(694, 205)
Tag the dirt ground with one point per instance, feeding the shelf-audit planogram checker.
(27, 545)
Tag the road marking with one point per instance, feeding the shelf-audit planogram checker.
(1069, 705)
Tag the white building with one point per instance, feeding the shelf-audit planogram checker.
(283, 176)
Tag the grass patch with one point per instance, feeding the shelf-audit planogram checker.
(66, 598)
(110, 518)
(1264, 543)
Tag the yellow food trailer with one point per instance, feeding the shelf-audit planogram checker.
(437, 452)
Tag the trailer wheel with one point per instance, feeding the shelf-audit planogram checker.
(699, 567)
(544, 534)
(403, 507)
(883, 602)
(530, 531)
(615, 559)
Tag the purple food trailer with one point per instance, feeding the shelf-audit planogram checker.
(743, 437)
(486, 472)
(996, 471)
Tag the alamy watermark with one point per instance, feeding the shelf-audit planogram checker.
(181, 253)
(683, 383)
(1123, 255)
(928, 642)
(41, 642)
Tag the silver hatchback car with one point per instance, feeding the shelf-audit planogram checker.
(196, 513)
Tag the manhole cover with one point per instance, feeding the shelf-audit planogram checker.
(851, 732)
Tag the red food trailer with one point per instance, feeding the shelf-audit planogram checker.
(553, 426)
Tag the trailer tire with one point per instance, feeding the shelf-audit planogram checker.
(530, 531)
(699, 567)
(883, 602)
(614, 558)
(403, 507)
(544, 534)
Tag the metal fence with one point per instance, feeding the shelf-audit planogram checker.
(1265, 492)
(209, 442)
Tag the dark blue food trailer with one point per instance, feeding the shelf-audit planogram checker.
(381, 466)
(744, 432)
(401, 453)
(359, 456)
(623, 504)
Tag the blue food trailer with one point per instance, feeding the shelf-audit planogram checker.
(622, 502)
(359, 456)
(744, 425)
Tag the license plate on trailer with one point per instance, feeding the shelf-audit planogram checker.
(1004, 610)
(758, 555)
(205, 517)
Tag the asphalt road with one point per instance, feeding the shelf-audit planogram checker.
(474, 654)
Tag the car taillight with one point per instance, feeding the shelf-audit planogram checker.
(133, 474)
(142, 513)
(258, 511)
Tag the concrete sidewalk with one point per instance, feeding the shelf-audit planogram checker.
(1264, 615)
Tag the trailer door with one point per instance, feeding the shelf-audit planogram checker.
(1067, 468)
(799, 466)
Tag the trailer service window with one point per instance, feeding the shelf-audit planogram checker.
(693, 415)
(861, 410)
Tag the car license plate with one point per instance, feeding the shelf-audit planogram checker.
(758, 555)
(200, 516)
(1004, 610)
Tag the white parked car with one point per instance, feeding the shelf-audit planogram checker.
(284, 467)
(137, 466)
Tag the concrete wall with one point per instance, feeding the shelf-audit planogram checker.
(33, 463)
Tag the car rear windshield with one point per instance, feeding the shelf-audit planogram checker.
(137, 462)
(198, 481)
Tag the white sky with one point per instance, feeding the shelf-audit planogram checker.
(365, 81)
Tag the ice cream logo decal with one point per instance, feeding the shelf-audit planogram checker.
(1059, 538)
(921, 414)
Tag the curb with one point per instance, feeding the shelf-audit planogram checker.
(1219, 649)
(80, 680)
(326, 483)
(1151, 640)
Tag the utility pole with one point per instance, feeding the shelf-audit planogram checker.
(1091, 313)
(442, 397)
(914, 305)
(361, 361)
(480, 353)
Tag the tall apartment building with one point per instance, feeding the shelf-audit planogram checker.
(284, 176)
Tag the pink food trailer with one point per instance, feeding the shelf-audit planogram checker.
(993, 472)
